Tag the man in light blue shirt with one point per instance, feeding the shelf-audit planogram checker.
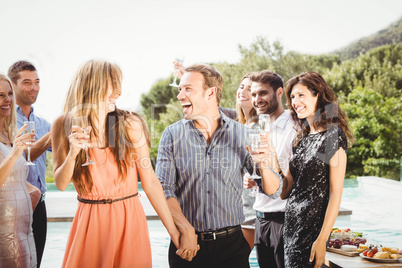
(26, 87)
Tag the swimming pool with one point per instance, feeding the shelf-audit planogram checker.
(376, 210)
(375, 205)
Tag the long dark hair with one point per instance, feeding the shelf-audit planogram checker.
(328, 113)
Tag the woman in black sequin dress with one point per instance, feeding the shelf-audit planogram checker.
(313, 184)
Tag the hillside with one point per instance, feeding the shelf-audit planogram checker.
(390, 35)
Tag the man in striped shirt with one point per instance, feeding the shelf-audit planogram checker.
(200, 165)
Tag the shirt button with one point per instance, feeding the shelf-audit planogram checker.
(208, 192)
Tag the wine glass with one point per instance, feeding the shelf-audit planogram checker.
(82, 122)
(179, 60)
(254, 139)
(263, 121)
(30, 129)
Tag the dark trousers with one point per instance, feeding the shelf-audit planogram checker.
(231, 251)
(269, 240)
(39, 227)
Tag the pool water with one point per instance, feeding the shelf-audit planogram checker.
(376, 211)
(58, 234)
(376, 206)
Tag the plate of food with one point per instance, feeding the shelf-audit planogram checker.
(387, 255)
(346, 242)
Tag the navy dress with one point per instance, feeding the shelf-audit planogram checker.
(308, 200)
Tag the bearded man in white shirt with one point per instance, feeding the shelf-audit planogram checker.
(266, 91)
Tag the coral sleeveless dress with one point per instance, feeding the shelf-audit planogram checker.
(109, 235)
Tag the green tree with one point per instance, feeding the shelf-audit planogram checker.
(379, 69)
(154, 102)
(376, 124)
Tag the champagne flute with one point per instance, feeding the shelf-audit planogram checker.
(30, 129)
(82, 122)
(254, 139)
(263, 121)
(177, 70)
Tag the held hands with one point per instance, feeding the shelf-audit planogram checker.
(247, 182)
(188, 246)
(23, 141)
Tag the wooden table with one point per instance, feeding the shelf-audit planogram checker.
(334, 260)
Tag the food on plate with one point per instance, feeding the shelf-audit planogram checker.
(348, 248)
(385, 253)
(390, 250)
(396, 256)
(362, 246)
(382, 255)
(340, 237)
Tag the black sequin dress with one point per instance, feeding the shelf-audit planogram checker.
(308, 200)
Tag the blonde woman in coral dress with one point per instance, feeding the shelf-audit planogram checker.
(109, 227)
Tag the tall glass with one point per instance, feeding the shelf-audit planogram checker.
(263, 121)
(82, 122)
(30, 129)
(254, 140)
(179, 60)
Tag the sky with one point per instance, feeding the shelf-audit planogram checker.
(144, 37)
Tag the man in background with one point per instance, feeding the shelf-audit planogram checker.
(25, 80)
(266, 93)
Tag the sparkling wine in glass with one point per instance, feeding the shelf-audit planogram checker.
(180, 60)
(254, 139)
(30, 129)
(263, 121)
(82, 122)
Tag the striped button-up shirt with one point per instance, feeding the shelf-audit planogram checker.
(206, 179)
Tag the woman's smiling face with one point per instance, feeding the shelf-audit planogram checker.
(244, 94)
(303, 101)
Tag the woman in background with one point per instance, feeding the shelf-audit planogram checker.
(247, 115)
(17, 246)
(109, 228)
(313, 183)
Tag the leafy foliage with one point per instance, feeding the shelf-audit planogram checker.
(366, 75)
(376, 122)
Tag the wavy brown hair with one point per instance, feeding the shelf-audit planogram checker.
(328, 113)
(240, 116)
(86, 93)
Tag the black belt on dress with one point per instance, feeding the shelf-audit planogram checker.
(271, 215)
(220, 233)
(104, 201)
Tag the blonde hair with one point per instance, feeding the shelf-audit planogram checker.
(240, 116)
(10, 123)
(88, 90)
